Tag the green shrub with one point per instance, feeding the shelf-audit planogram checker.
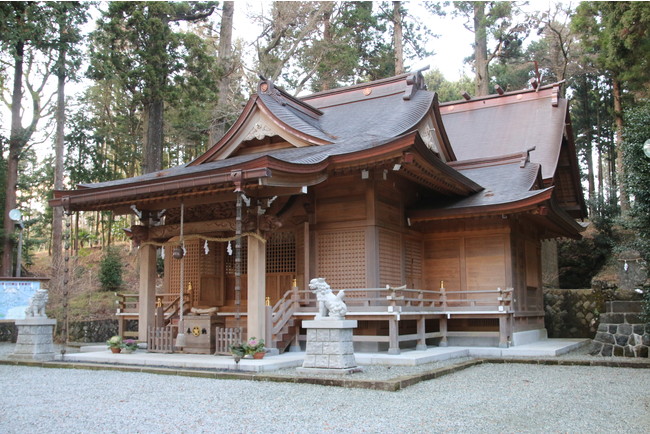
(111, 269)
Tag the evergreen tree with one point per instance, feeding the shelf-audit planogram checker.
(27, 40)
(137, 45)
(498, 25)
(616, 34)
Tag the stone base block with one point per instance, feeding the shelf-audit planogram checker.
(344, 371)
(329, 345)
(34, 340)
(529, 336)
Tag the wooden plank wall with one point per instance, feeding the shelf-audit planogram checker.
(528, 296)
(467, 255)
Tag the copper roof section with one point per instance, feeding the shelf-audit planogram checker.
(515, 122)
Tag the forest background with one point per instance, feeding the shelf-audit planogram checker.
(156, 83)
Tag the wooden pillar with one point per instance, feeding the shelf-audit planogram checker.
(256, 322)
(393, 336)
(422, 341)
(443, 331)
(147, 291)
(504, 330)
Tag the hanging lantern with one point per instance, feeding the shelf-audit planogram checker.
(178, 252)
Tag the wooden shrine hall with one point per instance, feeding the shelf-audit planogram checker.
(431, 217)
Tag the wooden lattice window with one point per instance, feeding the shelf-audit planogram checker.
(390, 259)
(230, 258)
(342, 258)
(281, 253)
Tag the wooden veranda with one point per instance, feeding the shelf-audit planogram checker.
(402, 315)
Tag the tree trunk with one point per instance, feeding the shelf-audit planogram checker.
(153, 144)
(480, 50)
(599, 148)
(620, 169)
(398, 39)
(218, 128)
(57, 212)
(16, 143)
(328, 81)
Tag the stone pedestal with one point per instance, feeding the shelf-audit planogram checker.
(329, 347)
(34, 340)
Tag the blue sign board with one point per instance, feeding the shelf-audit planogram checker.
(14, 297)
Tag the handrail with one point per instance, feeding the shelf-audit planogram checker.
(434, 300)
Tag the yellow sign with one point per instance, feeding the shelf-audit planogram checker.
(196, 331)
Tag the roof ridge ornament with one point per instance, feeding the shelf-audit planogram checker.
(526, 159)
(265, 85)
(414, 83)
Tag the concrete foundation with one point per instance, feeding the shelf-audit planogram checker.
(34, 340)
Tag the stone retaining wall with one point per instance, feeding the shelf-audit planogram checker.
(572, 313)
(622, 333)
(81, 331)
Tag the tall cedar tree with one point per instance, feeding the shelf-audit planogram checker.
(618, 36)
(138, 46)
(491, 21)
(69, 17)
(26, 38)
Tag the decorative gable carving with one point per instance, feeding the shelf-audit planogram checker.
(259, 131)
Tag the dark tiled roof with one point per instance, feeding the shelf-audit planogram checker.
(507, 128)
(351, 127)
(503, 183)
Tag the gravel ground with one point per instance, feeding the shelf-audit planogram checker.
(486, 398)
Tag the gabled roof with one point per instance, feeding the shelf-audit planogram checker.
(354, 117)
(515, 122)
(534, 120)
(512, 185)
(280, 144)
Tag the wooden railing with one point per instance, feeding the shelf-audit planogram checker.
(225, 337)
(282, 312)
(127, 303)
(171, 309)
(402, 299)
(128, 308)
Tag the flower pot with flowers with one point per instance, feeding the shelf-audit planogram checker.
(115, 344)
(129, 346)
(255, 347)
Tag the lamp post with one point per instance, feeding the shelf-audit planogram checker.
(646, 148)
(16, 216)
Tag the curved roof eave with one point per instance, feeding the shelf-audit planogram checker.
(522, 205)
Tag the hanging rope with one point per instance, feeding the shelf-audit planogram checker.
(202, 237)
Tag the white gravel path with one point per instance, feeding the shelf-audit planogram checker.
(487, 398)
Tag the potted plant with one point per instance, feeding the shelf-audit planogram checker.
(255, 347)
(238, 351)
(115, 344)
(129, 346)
